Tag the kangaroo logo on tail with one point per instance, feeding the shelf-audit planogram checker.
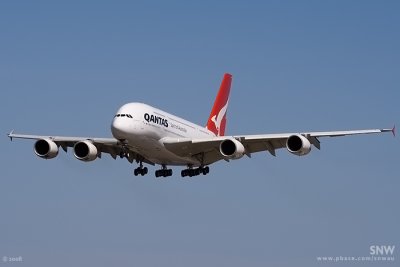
(217, 120)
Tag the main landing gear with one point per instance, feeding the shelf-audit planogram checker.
(195, 172)
(164, 172)
(140, 170)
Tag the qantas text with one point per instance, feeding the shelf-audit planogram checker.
(156, 119)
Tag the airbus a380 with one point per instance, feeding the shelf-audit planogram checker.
(145, 134)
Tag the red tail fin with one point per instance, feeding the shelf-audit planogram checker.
(217, 120)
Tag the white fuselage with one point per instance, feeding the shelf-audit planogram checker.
(142, 127)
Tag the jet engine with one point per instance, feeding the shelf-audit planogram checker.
(45, 148)
(298, 145)
(231, 149)
(85, 151)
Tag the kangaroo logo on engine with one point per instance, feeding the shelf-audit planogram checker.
(156, 119)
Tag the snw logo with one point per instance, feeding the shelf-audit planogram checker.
(381, 250)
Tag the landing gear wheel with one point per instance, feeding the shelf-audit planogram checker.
(191, 172)
(164, 172)
(195, 172)
(184, 173)
(140, 171)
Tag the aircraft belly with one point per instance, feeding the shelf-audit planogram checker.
(155, 152)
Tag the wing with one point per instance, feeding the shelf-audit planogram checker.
(110, 146)
(207, 150)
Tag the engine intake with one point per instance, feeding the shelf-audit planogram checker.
(231, 149)
(85, 151)
(298, 145)
(45, 148)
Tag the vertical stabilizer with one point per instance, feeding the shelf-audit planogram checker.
(217, 120)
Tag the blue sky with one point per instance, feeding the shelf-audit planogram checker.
(65, 68)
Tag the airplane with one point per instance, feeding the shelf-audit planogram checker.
(145, 134)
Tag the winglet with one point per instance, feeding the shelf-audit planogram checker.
(11, 135)
(394, 130)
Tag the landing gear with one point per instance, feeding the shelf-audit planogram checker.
(124, 151)
(164, 172)
(195, 172)
(140, 170)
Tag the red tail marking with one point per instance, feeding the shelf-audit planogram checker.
(217, 120)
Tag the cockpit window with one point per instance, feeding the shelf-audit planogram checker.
(124, 115)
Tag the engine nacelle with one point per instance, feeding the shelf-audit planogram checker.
(45, 148)
(85, 151)
(298, 145)
(231, 149)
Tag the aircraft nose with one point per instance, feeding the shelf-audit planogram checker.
(118, 129)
